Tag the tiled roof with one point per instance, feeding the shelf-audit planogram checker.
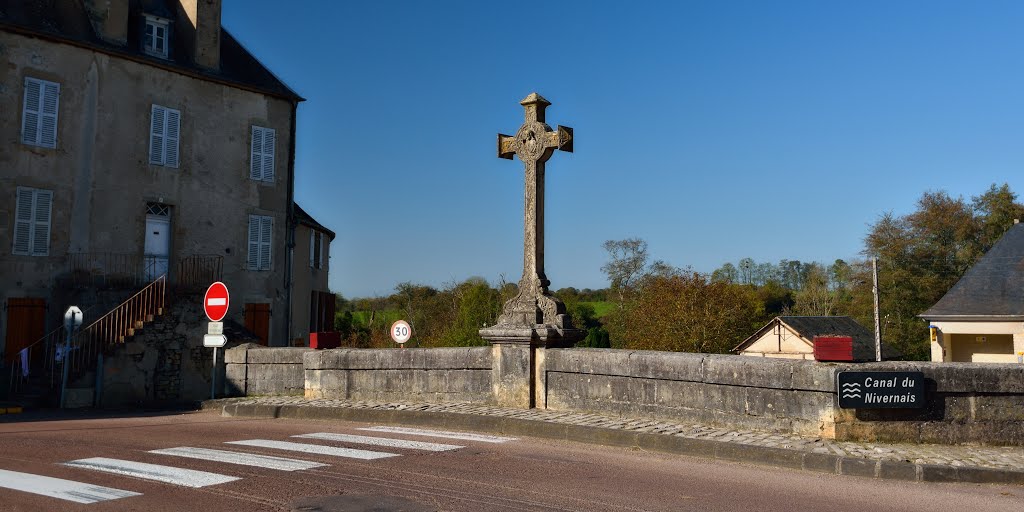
(992, 289)
(304, 218)
(68, 20)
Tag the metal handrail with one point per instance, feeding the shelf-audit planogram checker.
(113, 327)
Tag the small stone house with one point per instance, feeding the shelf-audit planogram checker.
(313, 303)
(981, 318)
(792, 337)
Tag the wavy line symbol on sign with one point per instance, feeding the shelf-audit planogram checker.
(851, 390)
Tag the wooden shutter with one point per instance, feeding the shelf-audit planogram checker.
(41, 223)
(30, 112)
(48, 115)
(266, 229)
(256, 154)
(268, 154)
(156, 135)
(23, 221)
(171, 137)
(253, 262)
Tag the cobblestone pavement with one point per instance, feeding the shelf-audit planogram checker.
(993, 457)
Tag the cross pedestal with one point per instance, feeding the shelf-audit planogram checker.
(534, 319)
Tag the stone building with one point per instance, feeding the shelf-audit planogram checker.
(981, 318)
(140, 139)
(313, 306)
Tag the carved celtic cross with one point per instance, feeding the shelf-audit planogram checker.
(534, 307)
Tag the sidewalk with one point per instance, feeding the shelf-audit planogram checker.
(912, 462)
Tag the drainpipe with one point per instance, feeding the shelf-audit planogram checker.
(290, 229)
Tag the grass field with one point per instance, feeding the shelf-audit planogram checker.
(601, 308)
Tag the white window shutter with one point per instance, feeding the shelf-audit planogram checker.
(266, 229)
(48, 115)
(256, 154)
(30, 113)
(41, 223)
(23, 221)
(171, 137)
(312, 247)
(268, 154)
(254, 243)
(156, 136)
(320, 256)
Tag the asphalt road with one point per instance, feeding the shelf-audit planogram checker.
(523, 474)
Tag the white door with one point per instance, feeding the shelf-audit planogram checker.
(158, 245)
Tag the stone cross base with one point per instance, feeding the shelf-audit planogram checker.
(544, 335)
(517, 374)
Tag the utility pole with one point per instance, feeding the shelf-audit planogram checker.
(878, 328)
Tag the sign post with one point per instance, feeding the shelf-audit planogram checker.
(215, 304)
(72, 321)
(401, 332)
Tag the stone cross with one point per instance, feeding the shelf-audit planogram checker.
(533, 314)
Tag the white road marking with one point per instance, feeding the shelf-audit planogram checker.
(167, 474)
(382, 441)
(69, 490)
(216, 302)
(465, 436)
(315, 448)
(244, 459)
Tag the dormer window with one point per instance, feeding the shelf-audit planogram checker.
(156, 36)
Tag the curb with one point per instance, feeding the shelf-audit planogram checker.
(704, 448)
(10, 410)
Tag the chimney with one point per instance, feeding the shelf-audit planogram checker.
(199, 23)
(109, 19)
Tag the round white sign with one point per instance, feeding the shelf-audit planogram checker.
(401, 332)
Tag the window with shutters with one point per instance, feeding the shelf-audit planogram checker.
(260, 229)
(39, 115)
(316, 249)
(32, 222)
(156, 36)
(163, 136)
(261, 161)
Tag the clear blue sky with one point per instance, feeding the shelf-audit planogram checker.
(714, 130)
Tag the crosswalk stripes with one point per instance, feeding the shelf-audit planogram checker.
(81, 492)
(240, 458)
(465, 436)
(68, 490)
(381, 441)
(315, 449)
(167, 474)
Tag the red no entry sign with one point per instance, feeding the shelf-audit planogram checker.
(215, 302)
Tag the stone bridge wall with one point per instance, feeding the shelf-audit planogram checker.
(968, 403)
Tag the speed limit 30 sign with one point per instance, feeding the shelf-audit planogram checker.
(401, 332)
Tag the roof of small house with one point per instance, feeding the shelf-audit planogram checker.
(807, 327)
(69, 22)
(993, 289)
(304, 218)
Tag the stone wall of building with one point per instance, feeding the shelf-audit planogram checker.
(165, 362)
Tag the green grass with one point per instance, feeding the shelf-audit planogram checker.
(601, 308)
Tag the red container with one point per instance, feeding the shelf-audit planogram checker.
(324, 340)
(833, 348)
